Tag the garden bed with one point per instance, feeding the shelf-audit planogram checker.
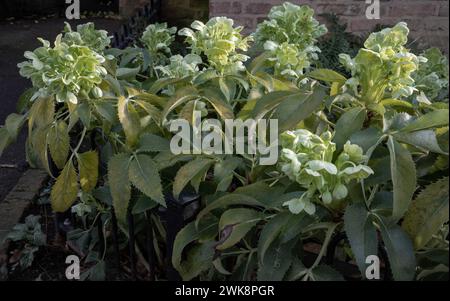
(240, 157)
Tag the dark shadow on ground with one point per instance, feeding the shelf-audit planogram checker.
(16, 38)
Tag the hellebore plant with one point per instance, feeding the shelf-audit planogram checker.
(220, 42)
(365, 158)
(383, 67)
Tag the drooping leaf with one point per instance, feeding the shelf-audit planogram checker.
(144, 175)
(42, 112)
(361, 234)
(427, 213)
(129, 119)
(59, 143)
(88, 168)
(119, 184)
(404, 179)
(64, 192)
(188, 172)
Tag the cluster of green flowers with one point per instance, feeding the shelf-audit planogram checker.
(220, 42)
(158, 38)
(384, 65)
(290, 35)
(286, 59)
(307, 159)
(69, 71)
(432, 76)
(180, 67)
(87, 35)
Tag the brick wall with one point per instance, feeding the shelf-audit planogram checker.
(175, 12)
(427, 19)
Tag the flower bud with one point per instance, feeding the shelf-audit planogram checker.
(327, 198)
(340, 192)
(97, 92)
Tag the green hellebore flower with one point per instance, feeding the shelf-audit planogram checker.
(296, 206)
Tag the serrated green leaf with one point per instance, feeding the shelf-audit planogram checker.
(399, 249)
(153, 143)
(240, 221)
(88, 168)
(404, 179)
(349, 123)
(119, 184)
(188, 172)
(361, 234)
(425, 139)
(85, 114)
(64, 192)
(434, 119)
(106, 110)
(427, 213)
(144, 175)
(129, 119)
(59, 143)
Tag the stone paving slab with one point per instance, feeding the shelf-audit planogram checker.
(18, 199)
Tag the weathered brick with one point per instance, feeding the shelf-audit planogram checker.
(406, 9)
(258, 8)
